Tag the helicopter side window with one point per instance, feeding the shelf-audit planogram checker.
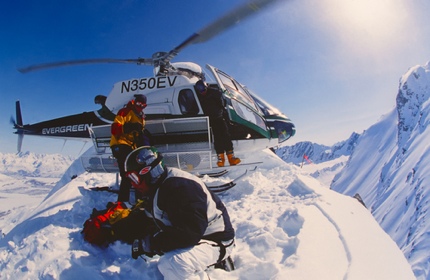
(187, 102)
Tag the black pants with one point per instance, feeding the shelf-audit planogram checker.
(222, 138)
(120, 152)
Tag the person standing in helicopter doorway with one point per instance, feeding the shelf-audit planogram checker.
(213, 106)
(128, 133)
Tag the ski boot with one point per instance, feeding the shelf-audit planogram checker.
(221, 160)
(232, 159)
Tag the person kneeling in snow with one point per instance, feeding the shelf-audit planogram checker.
(194, 230)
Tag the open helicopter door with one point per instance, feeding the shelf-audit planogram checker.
(262, 122)
(241, 107)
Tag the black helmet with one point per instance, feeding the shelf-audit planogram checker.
(140, 98)
(140, 101)
(200, 86)
(144, 166)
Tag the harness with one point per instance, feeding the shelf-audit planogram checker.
(223, 245)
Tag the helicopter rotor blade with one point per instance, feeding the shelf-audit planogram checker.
(223, 23)
(162, 58)
(139, 61)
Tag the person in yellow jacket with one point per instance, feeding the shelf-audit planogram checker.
(128, 134)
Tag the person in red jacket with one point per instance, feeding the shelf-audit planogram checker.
(128, 134)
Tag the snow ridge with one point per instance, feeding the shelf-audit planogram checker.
(390, 169)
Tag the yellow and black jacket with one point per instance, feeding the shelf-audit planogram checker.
(126, 115)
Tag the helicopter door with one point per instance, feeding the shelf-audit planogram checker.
(242, 108)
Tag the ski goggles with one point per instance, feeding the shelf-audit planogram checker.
(138, 177)
(141, 104)
(139, 181)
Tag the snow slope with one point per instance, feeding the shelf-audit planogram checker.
(390, 169)
(288, 226)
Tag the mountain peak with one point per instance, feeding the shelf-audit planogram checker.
(414, 92)
(390, 170)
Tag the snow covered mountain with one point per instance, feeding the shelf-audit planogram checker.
(390, 169)
(34, 165)
(288, 226)
(317, 153)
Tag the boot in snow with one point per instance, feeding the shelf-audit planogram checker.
(232, 159)
(221, 160)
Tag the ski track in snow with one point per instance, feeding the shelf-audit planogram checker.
(341, 238)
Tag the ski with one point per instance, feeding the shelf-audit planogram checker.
(213, 174)
(222, 188)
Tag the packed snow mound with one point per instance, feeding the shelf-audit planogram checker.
(288, 226)
(390, 169)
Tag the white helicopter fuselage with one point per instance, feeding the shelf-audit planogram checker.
(175, 119)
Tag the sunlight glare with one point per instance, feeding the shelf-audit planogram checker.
(375, 22)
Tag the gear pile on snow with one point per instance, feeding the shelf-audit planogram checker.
(116, 222)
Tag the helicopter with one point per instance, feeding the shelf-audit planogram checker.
(174, 116)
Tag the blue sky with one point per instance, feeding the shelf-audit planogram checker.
(333, 66)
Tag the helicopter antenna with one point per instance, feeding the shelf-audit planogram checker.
(161, 60)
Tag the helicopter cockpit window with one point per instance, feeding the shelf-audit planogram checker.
(187, 102)
(236, 90)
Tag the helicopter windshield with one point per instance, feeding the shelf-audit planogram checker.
(242, 103)
(267, 109)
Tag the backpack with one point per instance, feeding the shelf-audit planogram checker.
(117, 222)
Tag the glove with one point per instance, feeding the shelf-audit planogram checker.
(141, 247)
(130, 127)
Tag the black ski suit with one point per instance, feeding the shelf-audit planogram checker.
(213, 106)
